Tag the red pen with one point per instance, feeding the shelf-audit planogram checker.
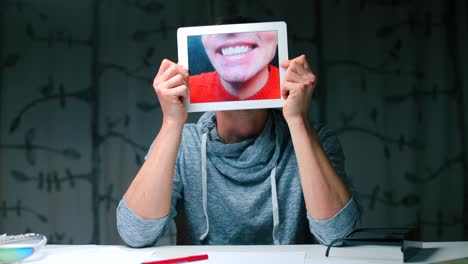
(178, 260)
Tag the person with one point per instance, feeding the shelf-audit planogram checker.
(261, 176)
(243, 69)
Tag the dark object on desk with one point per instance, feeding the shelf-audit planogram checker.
(407, 238)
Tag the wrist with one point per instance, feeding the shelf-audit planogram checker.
(299, 121)
(300, 125)
(173, 125)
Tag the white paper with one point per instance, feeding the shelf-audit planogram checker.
(334, 261)
(89, 254)
(233, 257)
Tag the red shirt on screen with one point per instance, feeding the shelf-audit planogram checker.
(207, 87)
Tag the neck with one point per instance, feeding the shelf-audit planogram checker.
(243, 90)
(239, 125)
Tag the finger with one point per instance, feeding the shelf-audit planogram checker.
(170, 72)
(179, 93)
(305, 88)
(185, 73)
(299, 68)
(308, 79)
(165, 64)
(173, 82)
(284, 92)
(307, 75)
(289, 88)
(302, 60)
(294, 77)
(183, 67)
(165, 72)
(285, 64)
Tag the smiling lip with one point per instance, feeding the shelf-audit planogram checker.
(235, 49)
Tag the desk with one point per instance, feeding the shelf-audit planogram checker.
(69, 254)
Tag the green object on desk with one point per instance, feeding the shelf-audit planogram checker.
(15, 254)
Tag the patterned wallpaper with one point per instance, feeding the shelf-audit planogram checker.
(77, 110)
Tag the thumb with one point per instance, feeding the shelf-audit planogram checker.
(285, 64)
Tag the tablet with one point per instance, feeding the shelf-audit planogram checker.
(235, 66)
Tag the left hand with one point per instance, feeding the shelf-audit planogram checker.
(297, 88)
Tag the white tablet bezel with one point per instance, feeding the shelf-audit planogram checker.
(280, 27)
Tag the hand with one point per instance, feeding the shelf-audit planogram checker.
(297, 88)
(171, 88)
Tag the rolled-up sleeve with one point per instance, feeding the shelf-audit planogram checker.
(340, 225)
(136, 231)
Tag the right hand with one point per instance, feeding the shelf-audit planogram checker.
(171, 86)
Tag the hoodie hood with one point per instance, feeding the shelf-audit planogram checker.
(245, 162)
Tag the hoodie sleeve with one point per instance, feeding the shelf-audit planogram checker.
(345, 220)
(138, 232)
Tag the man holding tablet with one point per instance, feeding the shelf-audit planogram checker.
(244, 176)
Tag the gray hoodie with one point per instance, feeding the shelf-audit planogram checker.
(242, 193)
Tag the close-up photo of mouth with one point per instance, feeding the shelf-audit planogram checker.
(236, 49)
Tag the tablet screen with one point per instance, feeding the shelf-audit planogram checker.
(233, 66)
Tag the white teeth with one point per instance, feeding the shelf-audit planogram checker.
(236, 50)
